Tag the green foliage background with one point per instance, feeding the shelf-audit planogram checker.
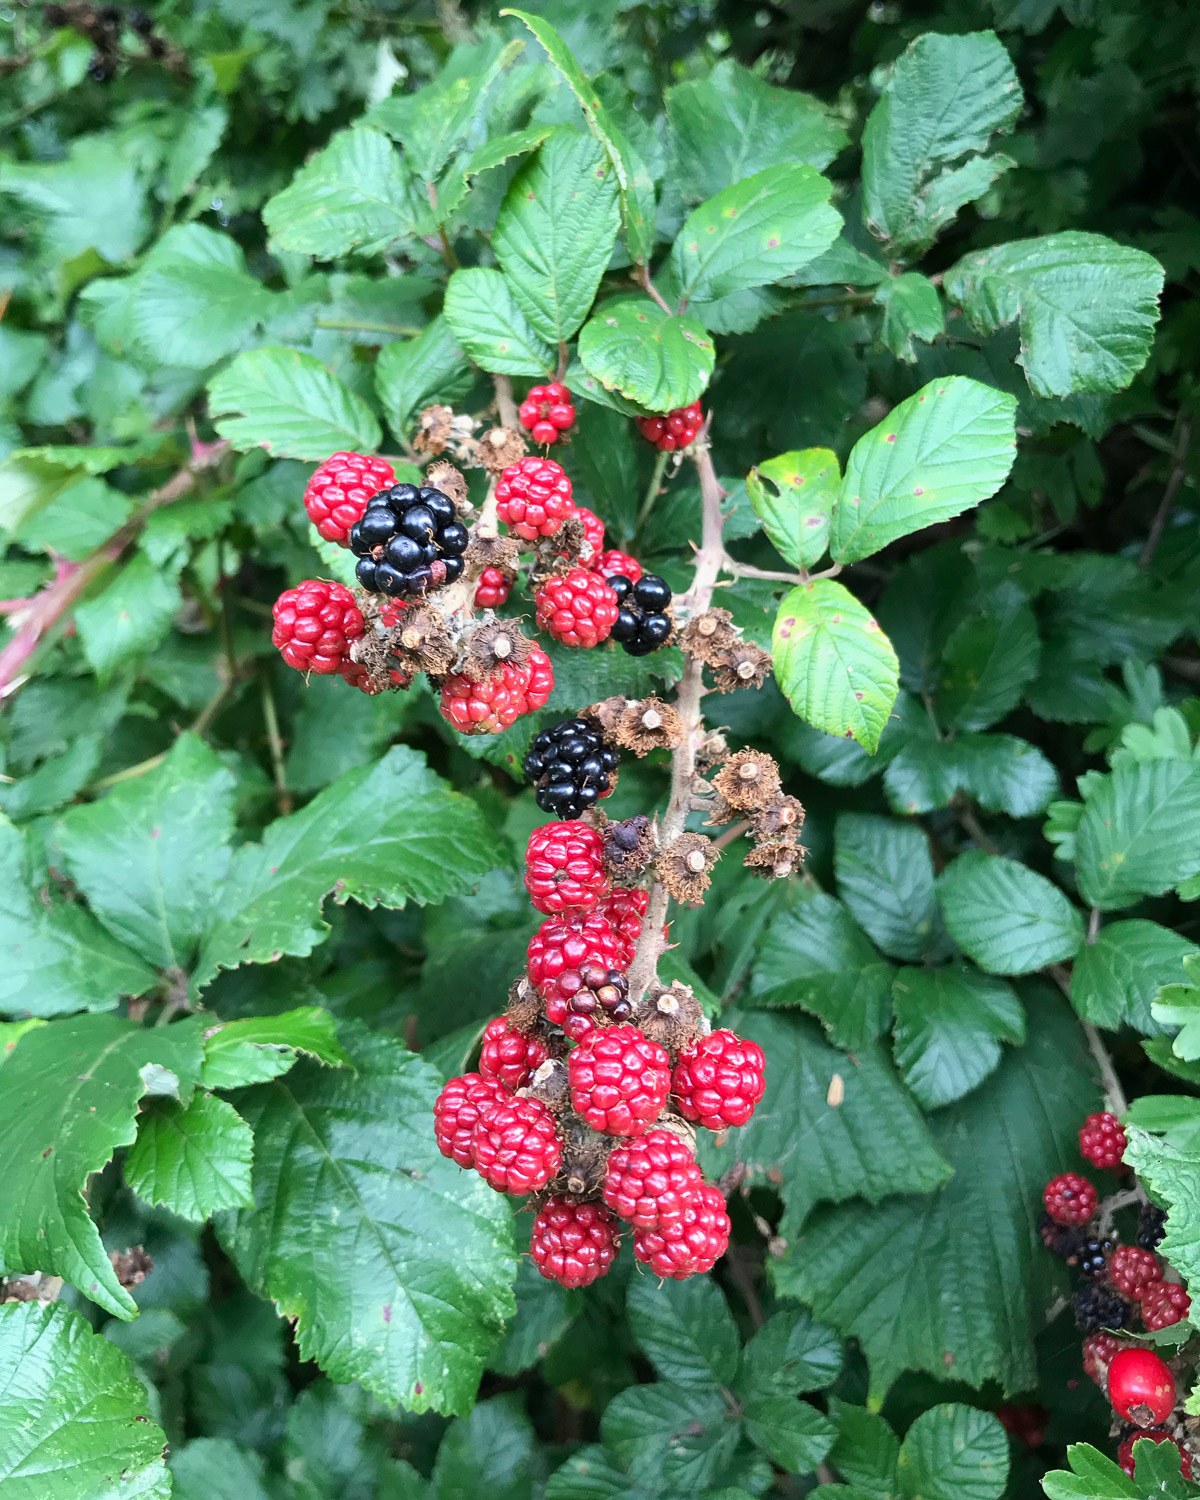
(248, 924)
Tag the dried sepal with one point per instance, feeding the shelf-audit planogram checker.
(709, 636)
(584, 1159)
(421, 642)
(783, 818)
(684, 867)
(445, 477)
(373, 653)
(524, 1009)
(549, 1084)
(434, 427)
(629, 848)
(607, 714)
(498, 447)
(748, 780)
(649, 724)
(557, 554)
(497, 644)
(711, 751)
(718, 810)
(493, 552)
(775, 859)
(744, 665)
(671, 1016)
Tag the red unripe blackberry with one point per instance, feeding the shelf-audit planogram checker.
(1132, 1270)
(338, 492)
(574, 1243)
(493, 588)
(619, 1080)
(314, 625)
(1069, 1198)
(1141, 1387)
(613, 563)
(649, 1182)
(593, 533)
(1098, 1350)
(510, 1056)
(1125, 1457)
(626, 909)
(1102, 1140)
(577, 608)
(497, 701)
(719, 1080)
(564, 867)
(561, 949)
(1026, 1422)
(532, 684)
(458, 1109)
(1163, 1304)
(516, 1146)
(694, 1245)
(547, 412)
(677, 429)
(533, 498)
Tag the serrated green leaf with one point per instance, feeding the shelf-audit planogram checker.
(545, 1311)
(290, 404)
(193, 1160)
(404, 1282)
(486, 319)
(1092, 1477)
(130, 616)
(885, 876)
(1085, 306)
(792, 1434)
(197, 302)
(75, 1420)
(954, 1452)
(94, 199)
(793, 495)
(1115, 979)
(253, 1050)
(496, 1439)
(935, 455)
(556, 230)
(200, 131)
(790, 1353)
(70, 1098)
(867, 1451)
(681, 1438)
(217, 1469)
(430, 368)
(658, 359)
(1005, 916)
(998, 771)
(1136, 836)
(1170, 1167)
(949, 1026)
(833, 663)
(988, 661)
(912, 313)
(686, 1329)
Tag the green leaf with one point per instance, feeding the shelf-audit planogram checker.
(193, 1160)
(793, 496)
(1115, 979)
(253, 1050)
(935, 455)
(813, 955)
(92, 200)
(75, 1420)
(872, 1143)
(484, 316)
(949, 1026)
(200, 131)
(998, 771)
(1177, 1007)
(988, 661)
(555, 232)
(403, 1282)
(290, 404)
(356, 194)
(545, 1311)
(947, 96)
(866, 1453)
(660, 360)
(1170, 1168)
(953, 1452)
(680, 1438)
(885, 876)
(1092, 1477)
(957, 1284)
(152, 856)
(217, 1469)
(833, 663)
(130, 616)
(196, 302)
(409, 376)
(791, 1433)
(1085, 306)
(686, 1329)
(435, 843)
(70, 1098)
(1137, 834)
(732, 124)
(754, 232)
(496, 1439)
(912, 311)
(1005, 916)
(790, 1353)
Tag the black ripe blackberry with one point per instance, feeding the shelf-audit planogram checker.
(1152, 1226)
(409, 541)
(643, 624)
(1098, 1307)
(571, 765)
(1092, 1258)
(1061, 1240)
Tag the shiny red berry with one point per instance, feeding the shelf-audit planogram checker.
(1102, 1140)
(1125, 1455)
(1098, 1350)
(1141, 1387)
(493, 588)
(508, 1055)
(719, 1080)
(1024, 1421)
(574, 1243)
(613, 562)
(314, 625)
(486, 706)
(1069, 1198)
(560, 949)
(619, 1080)
(564, 867)
(1164, 1304)
(1133, 1270)
(577, 608)
(516, 1146)
(650, 1181)
(532, 684)
(547, 412)
(533, 498)
(459, 1108)
(338, 492)
(694, 1245)
(626, 909)
(677, 429)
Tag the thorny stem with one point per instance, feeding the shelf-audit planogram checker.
(505, 404)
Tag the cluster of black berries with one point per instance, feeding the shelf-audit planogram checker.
(102, 25)
(643, 624)
(571, 766)
(408, 541)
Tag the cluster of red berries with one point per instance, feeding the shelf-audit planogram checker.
(676, 429)
(1120, 1283)
(577, 1103)
(547, 412)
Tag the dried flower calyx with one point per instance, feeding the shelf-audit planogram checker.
(499, 447)
(649, 724)
(744, 665)
(684, 867)
(629, 847)
(709, 636)
(498, 644)
(748, 781)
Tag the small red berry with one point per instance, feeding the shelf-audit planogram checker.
(719, 1080)
(510, 1056)
(612, 563)
(532, 684)
(677, 429)
(486, 706)
(1141, 1387)
(338, 492)
(1125, 1458)
(694, 1245)
(1132, 1270)
(564, 867)
(459, 1108)
(1102, 1140)
(533, 498)
(1098, 1350)
(1025, 1422)
(574, 1243)
(619, 1080)
(516, 1146)
(1069, 1198)
(547, 412)
(626, 910)
(558, 952)
(649, 1182)
(577, 608)
(493, 588)
(1164, 1304)
(314, 625)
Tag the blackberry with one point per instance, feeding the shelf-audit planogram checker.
(408, 541)
(1092, 1258)
(643, 624)
(141, 22)
(1152, 1226)
(1060, 1240)
(571, 765)
(1098, 1307)
(100, 68)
